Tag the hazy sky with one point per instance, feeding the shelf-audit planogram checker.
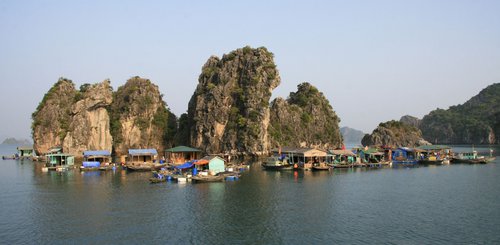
(374, 60)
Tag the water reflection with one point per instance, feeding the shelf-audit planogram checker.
(355, 205)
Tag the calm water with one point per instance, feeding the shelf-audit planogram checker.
(451, 204)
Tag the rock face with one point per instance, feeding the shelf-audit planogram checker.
(394, 134)
(89, 123)
(305, 119)
(477, 121)
(51, 120)
(140, 118)
(351, 135)
(411, 120)
(229, 111)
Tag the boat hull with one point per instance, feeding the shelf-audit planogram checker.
(473, 161)
(207, 178)
(278, 167)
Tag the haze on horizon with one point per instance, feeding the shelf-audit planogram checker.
(374, 60)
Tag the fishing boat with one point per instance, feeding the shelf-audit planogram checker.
(207, 178)
(472, 158)
(12, 157)
(434, 154)
(320, 167)
(278, 163)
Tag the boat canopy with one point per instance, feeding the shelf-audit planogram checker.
(305, 152)
(202, 161)
(25, 148)
(142, 152)
(434, 147)
(185, 165)
(342, 152)
(96, 153)
(182, 149)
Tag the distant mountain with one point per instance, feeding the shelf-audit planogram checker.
(351, 135)
(477, 121)
(14, 141)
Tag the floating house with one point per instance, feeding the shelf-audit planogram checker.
(405, 156)
(59, 160)
(142, 155)
(182, 154)
(25, 151)
(303, 157)
(95, 159)
(371, 155)
(343, 156)
(214, 164)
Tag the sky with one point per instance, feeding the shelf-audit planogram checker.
(373, 60)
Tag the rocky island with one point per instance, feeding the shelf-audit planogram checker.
(229, 112)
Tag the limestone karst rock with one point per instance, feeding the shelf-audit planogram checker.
(305, 119)
(140, 118)
(51, 119)
(89, 122)
(229, 111)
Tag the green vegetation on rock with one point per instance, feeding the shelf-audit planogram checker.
(394, 134)
(306, 118)
(474, 122)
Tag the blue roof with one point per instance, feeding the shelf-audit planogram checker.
(136, 152)
(96, 153)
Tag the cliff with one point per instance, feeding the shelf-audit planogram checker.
(89, 122)
(351, 135)
(477, 121)
(229, 110)
(394, 134)
(140, 118)
(305, 119)
(51, 118)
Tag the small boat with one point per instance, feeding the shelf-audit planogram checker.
(431, 160)
(472, 158)
(320, 167)
(207, 178)
(342, 165)
(139, 166)
(157, 180)
(9, 158)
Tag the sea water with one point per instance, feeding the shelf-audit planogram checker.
(448, 204)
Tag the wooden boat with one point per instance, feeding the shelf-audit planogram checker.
(157, 180)
(472, 158)
(139, 166)
(320, 167)
(208, 178)
(342, 165)
(82, 168)
(431, 160)
(106, 168)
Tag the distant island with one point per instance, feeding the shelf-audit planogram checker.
(351, 136)
(477, 121)
(14, 141)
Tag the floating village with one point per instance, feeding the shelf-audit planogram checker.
(187, 164)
